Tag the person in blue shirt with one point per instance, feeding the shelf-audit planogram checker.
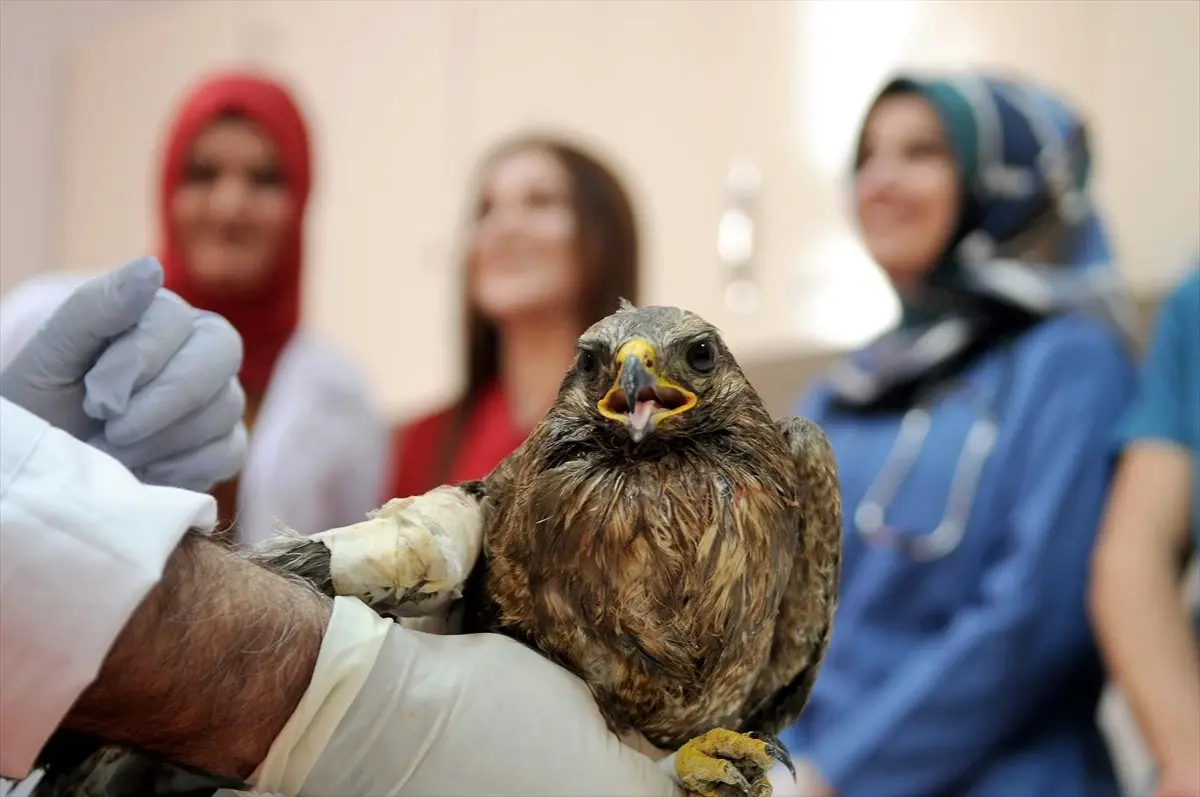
(1152, 520)
(972, 448)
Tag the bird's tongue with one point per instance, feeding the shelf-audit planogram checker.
(639, 419)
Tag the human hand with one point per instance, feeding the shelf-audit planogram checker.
(139, 373)
(403, 712)
(1179, 781)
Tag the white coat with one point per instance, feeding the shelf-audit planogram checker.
(319, 449)
(81, 544)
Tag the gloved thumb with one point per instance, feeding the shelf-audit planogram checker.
(101, 309)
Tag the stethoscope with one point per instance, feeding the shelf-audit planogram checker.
(870, 517)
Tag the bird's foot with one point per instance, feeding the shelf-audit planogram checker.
(724, 763)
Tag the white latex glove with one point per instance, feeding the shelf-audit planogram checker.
(395, 711)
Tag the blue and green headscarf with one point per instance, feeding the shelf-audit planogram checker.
(1022, 154)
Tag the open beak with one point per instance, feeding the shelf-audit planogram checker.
(640, 398)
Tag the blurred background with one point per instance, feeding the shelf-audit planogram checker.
(403, 97)
(732, 124)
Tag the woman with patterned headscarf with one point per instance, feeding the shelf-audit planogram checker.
(973, 444)
(232, 197)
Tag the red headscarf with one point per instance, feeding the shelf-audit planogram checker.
(267, 320)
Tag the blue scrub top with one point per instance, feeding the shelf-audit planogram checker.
(976, 673)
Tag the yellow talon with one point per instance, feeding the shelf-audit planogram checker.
(723, 762)
(701, 773)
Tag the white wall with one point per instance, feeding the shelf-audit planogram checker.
(34, 34)
(1147, 123)
(403, 95)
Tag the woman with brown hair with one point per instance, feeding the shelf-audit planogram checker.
(553, 247)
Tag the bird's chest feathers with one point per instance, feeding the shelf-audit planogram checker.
(648, 570)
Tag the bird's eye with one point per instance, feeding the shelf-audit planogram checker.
(702, 356)
(587, 362)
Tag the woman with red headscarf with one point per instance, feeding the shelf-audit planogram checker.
(232, 196)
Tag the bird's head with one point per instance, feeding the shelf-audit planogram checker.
(658, 372)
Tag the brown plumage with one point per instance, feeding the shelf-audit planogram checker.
(688, 577)
(660, 572)
(661, 537)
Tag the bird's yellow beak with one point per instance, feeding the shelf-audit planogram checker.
(639, 397)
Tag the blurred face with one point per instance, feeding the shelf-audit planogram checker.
(524, 251)
(232, 209)
(906, 188)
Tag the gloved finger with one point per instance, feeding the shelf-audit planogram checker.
(198, 371)
(101, 309)
(213, 421)
(202, 468)
(137, 356)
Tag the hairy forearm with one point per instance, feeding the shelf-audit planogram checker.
(211, 665)
(1150, 644)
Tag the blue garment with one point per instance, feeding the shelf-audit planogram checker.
(1168, 402)
(976, 674)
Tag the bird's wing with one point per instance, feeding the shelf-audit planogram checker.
(804, 623)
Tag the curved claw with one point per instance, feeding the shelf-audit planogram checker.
(776, 750)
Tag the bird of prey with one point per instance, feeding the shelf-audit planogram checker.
(657, 534)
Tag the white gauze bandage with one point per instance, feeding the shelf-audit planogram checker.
(412, 553)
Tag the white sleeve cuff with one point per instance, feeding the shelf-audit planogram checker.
(82, 542)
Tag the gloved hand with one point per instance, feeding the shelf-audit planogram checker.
(394, 711)
(140, 374)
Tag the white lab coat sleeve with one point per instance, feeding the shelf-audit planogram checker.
(81, 544)
(319, 449)
(365, 448)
